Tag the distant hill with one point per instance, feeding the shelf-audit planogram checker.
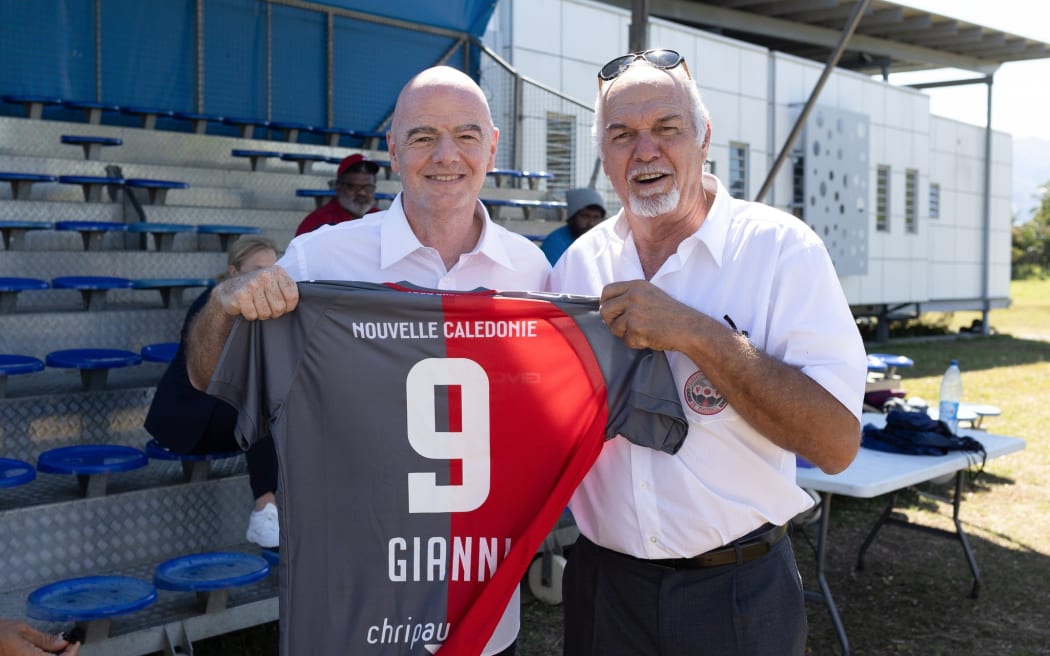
(1031, 171)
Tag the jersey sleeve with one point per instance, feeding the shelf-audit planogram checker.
(643, 401)
(257, 367)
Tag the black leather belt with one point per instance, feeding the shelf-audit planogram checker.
(753, 545)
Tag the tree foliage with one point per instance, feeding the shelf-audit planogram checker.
(1030, 242)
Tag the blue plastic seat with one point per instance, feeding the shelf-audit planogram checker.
(92, 145)
(159, 352)
(198, 120)
(13, 232)
(892, 362)
(91, 464)
(157, 189)
(92, 289)
(163, 233)
(91, 232)
(92, 184)
(245, 125)
(195, 466)
(226, 233)
(334, 135)
(149, 115)
(532, 178)
(256, 158)
(34, 105)
(303, 160)
(320, 196)
(370, 139)
(91, 602)
(15, 472)
(16, 365)
(291, 130)
(876, 364)
(171, 288)
(93, 363)
(499, 176)
(211, 575)
(10, 288)
(526, 206)
(92, 109)
(22, 183)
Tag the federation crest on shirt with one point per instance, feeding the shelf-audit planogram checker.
(701, 395)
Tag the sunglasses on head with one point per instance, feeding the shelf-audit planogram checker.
(660, 58)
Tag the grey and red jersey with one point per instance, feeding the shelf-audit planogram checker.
(428, 441)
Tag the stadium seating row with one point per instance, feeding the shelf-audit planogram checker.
(93, 113)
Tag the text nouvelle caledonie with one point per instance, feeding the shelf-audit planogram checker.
(447, 329)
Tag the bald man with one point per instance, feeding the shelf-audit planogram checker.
(436, 234)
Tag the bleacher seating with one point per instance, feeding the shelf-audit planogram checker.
(10, 288)
(171, 288)
(92, 363)
(92, 146)
(256, 158)
(13, 232)
(211, 575)
(12, 364)
(163, 233)
(92, 232)
(93, 289)
(198, 120)
(92, 184)
(157, 190)
(22, 183)
(91, 602)
(195, 466)
(91, 464)
(93, 110)
(15, 472)
(156, 512)
(149, 115)
(159, 352)
(34, 105)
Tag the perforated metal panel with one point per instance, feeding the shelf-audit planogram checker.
(835, 185)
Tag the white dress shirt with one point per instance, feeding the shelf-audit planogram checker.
(771, 275)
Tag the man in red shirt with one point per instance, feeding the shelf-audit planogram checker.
(355, 189)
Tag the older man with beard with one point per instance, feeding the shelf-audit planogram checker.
(355, 195)
(685, 554)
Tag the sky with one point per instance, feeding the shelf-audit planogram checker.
(1021, 90)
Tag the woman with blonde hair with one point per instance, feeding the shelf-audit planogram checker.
(185, 420)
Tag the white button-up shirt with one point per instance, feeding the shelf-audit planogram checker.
(772, 276)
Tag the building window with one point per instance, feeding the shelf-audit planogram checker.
(798, 186)
(911, 201)
(738, 155)
(882, 199)
(935, 200)
(561, 146)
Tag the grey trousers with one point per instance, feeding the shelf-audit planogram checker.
(618, 606)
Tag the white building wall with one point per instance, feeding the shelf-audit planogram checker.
(754, 97)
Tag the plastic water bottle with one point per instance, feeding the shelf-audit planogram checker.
(951, 395)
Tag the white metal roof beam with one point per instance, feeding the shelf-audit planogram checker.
(705, 14)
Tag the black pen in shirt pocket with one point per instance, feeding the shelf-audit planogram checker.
(733, 326)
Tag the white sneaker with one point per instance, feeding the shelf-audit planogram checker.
(263, 529)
